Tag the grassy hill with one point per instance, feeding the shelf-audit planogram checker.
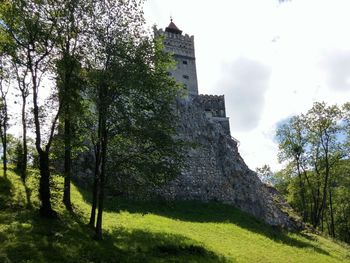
(146, 232)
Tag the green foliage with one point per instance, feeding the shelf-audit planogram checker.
(265, 174)
(134, 96)
(18, 156)
(314, 146)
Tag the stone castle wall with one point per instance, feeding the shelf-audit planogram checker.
(215, 171)
(214, 108)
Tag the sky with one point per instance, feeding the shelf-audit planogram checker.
(271, 60)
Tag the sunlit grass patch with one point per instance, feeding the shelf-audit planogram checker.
(146, 231)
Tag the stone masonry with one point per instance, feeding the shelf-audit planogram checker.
(214, 169)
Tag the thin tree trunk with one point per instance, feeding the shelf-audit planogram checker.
(67, 161)
(25, 150)
(3, 128)
(44, 189)
(313, 206)
(102, 177)
(44, 185)
(301, 191)
(3, 134)
(332, 213)
(325, 188)
(24, 140)
(4, 157)
(95, 186)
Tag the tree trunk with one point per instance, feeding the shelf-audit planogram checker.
(325, 189)
(4, 157)
(67, 161)
(95, 186)
(4, 145)
(44, 186)
(301, 191)
(3, 130)
(24, 140)
(102, 178)
(331, 212)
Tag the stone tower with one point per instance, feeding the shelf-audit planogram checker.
(182, 47)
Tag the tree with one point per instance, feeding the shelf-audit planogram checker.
(72, 22)
(30, 25)
(314, 146)
(346, 117)
(14, 54)
(132, 94)
(21, 76)
(4, 88)
(292, 143)
(323, 128)
(265, 174)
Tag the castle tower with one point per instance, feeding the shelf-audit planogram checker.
(182, 47)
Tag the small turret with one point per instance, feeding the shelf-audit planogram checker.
(172, 28)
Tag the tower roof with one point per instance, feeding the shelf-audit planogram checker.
(172, 28)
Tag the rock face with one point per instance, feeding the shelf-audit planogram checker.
(214, 170)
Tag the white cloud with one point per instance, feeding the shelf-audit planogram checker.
(244, 84)
(336, 64)
(302, 54)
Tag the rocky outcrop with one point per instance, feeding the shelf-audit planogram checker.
(214, 170)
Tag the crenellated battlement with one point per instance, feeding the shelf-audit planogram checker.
(161, 32)
(214, 108)
(213, 105)
(181, 45)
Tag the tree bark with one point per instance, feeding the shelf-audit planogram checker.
(67, 161)
(3, 134)
(95, 186)
(103, 139)
(332, 227)
(302, 190)
(24, 139)
(44, 189)
(44, 185)
(4, 148)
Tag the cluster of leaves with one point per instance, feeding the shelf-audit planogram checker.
(315, 148)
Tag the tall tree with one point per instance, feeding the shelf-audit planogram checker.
(30, 24)
(14, 54)
(73, 16)
(132, 93)
(292, 142)
(314, 144)
(323, 128)
(21, 75)
(4, 88)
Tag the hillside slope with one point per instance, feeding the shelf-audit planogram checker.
(147, 232)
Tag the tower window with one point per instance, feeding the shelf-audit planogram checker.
(185, 76)
(184, 62)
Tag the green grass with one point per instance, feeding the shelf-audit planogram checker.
(146, 232)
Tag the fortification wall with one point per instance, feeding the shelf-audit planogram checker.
(214, 108)
(214, 170)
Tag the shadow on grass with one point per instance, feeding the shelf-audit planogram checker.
(6, 193)
(196, 211)
(31, 238)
